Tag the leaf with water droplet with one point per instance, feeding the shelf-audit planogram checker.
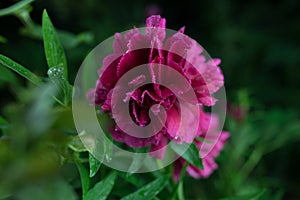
(7, 62)
(55, 54)
(94, 165)
(149, 191)
(108, 147)
(56, 75)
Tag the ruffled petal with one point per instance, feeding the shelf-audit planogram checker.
(156, 27)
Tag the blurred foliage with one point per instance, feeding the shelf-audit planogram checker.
(259, 45)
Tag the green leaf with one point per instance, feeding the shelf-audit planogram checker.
(180, 192)
(7, 62)
(191, 155)
(57, 76)
(137, 162)
(76, 145)
(55, 54)
(94, 165)
(15, 8)
(85, 179)
(102, 189)
(3, 121)
(130, 178)
(149, 191)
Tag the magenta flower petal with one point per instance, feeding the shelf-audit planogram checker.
(156, 21)
(108, 75)
(159, 25)
(120, 44)
(173, 122)
(209, 129)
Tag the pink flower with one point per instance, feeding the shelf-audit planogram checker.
(204, 76)
(211, 151)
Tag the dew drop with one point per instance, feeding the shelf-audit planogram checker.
(56, 72)
(108, 158)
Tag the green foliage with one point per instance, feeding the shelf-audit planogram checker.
(130, 178)
(15, 8)
(149, 191)
(7, 62)
(94, 165)
(85, 179)
(55, 54)
(102, 189)
(191, 155)
(57, 76)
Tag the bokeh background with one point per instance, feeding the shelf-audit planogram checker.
(259, 44)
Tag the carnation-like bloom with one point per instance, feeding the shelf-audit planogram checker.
(204, 77)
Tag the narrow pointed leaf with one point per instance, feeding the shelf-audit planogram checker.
(8, 63)
(15, 8)
(149, 191)
(85, 179)
(94, 165)
(102, 189)
(191, 155)
(55, 54)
